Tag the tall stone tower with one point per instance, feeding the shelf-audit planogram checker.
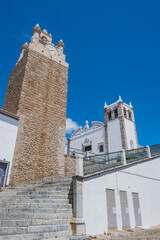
(37, 93)
(120, 128)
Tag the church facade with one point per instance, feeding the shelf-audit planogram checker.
(116, 133)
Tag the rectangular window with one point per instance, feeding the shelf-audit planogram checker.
(101, 148)
(88, 148)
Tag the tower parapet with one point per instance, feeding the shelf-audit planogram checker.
(41, 42)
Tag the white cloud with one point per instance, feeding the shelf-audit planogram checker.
(70, 126)
(26, 35)
(23, 35)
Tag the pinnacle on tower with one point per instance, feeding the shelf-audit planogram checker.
(36, 29)
(45, 31)
(130, 105)
(87, 124)
(120, 99)
(60, 44)
(24, 46)
(105, 105)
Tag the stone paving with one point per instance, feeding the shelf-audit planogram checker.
(133, 234)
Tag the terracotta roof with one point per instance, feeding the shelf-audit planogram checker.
(9, 114)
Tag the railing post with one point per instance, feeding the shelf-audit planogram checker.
(148, 151)
(123, 157)
(78, 222)
(79, 165)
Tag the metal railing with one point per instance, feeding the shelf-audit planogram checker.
(74, 151)
(155, 149)
(137, 154)
(99, 162)
(95, 163)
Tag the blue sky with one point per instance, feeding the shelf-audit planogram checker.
(112, 47)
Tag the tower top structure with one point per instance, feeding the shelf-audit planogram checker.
(41, 42)
(119, 109)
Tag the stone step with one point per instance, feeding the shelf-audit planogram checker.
(42, 183)
(56, 196)
(34, 205)
(43, 216)
(65, 235)
(33, 229)
(43, 192)
(35, 210)
(54, 188)
(33, 222)
(27, 201)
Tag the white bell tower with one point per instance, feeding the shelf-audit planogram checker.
(120, 128)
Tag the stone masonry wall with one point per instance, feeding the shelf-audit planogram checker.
(13, 93)
(42, 114)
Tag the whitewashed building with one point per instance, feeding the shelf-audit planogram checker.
(8, 134)
(116, 133)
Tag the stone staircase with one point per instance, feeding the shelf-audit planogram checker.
(36, 211)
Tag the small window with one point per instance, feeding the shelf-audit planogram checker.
(116, 113)
(88, 148)
(130, 115)
(125, 114)
(109, 116)
(101, 148)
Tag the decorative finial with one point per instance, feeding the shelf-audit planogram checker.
(120, 99)
(87, 124)
(130, 105)
(24, 46)
(36, 29)
(60, 44)
(105, 105)
(45, 31)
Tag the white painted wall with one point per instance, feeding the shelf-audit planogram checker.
(96, 136)
(8, 134)
(130, 133)
(94, 196)
(114, 136)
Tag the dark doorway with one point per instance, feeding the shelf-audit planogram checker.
(3, 173)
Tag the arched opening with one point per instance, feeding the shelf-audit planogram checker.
(44, 40)
(130, 115)
(125, 113)
(109, 116)
(116, 113)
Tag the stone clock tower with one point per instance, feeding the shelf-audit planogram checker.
(37, 93)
